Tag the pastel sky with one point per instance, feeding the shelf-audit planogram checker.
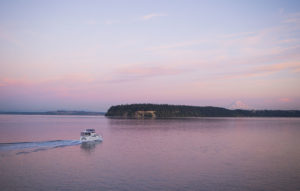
(88, 55)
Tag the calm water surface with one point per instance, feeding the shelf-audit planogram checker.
(43, 153)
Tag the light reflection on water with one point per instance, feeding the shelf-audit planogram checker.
(89, 146)
(168, 154)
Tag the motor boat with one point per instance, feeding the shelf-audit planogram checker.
(90, 135)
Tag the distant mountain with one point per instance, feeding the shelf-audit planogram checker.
(238, 105)
(165, 111)
(59, 112)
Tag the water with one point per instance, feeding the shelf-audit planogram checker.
(43, 153)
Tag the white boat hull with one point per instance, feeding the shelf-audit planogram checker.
(90, 138)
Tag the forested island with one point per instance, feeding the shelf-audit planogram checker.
(168, 111)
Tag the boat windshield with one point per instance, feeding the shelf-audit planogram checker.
(91, 130)
(85, 134)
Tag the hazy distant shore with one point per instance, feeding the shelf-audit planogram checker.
(138, 111)
(55, 113)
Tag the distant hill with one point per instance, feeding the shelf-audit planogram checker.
(59, 112)
(165, 111)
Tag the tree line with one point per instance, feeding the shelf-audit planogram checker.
(165, 110)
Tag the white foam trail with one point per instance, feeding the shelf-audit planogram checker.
(42, 145)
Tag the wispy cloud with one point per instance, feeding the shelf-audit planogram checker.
(177, 45)
(92, 22)
(67, 81)
(293, 18)
(237, 51)
(14, 82)
(152, 15)
(266, 70)
(148, 71)
(285, 100)
(139, 72)
(65, 86)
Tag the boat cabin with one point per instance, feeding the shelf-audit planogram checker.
(88, 132)
(85, 134)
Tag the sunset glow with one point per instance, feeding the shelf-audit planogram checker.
(88, 55)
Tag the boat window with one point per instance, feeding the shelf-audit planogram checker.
(85, 134)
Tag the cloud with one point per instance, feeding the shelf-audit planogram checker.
(107, 22)
(139, 72)
(70, 80)
(149, 71)
(277, 68)
(152, 15)
(266, 70)
(177, 45)
(285, 100)
(238, 55)
(14, 82)
(92, 22)
(68, 86)
(293, 18)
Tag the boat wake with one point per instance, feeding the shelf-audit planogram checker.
(28, 147)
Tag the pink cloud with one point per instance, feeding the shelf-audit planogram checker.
(14, 82)
(64, 80)
(62, 86)
(267, 70)
(183, 44)
(149, 71)
(285, 100)
(137, 72)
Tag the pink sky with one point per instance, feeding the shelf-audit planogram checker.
(88, 56)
